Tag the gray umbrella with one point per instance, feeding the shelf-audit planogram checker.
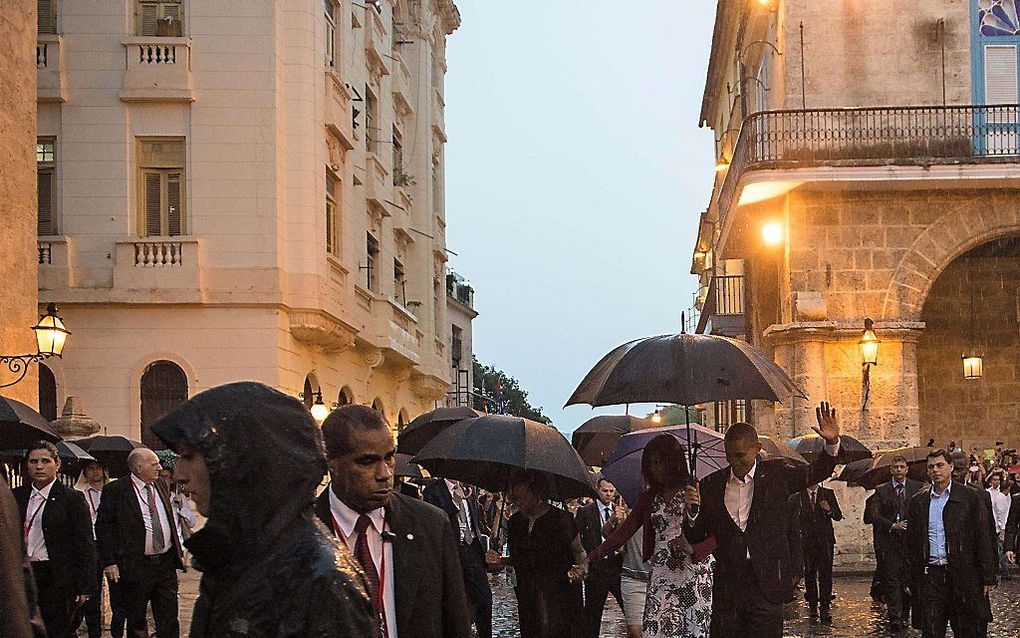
(425, 427)
(597, 437)
(20, 425)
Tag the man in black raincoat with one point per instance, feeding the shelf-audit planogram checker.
(251, 457)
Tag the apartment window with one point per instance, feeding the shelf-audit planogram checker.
(437, 312)
(456, 345)
(332, 215)
(399, 283)
(45, 160)
(399, 179)
(159, 18)
(161, 187)
(437, 185)
(371, 267)
(371, 128)
(164, 387)
(47, 16)
(330, 11)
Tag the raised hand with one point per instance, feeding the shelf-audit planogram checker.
(828, 424)
(577, 573)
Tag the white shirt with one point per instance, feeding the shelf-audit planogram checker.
(142, 494)
(1000, 508)
(33, 522)
(347, 518)
(739, 492)
(93, 498)
(464, 508)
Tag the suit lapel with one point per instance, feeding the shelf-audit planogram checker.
(758, 494)
(407, 552)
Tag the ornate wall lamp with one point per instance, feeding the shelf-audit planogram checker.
(50, 336)
(973, 364)
(869, 357)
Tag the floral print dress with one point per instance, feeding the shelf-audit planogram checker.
(679, 600)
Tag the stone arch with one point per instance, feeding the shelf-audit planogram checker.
(942, 242)
(163, 387)
(345, 396)
(309, 388)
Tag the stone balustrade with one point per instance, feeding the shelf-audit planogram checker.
(157, 69)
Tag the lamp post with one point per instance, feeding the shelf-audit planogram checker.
(869, 357)
(50, 336)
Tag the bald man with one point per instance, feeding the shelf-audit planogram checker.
(138, 547)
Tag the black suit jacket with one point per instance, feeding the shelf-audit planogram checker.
(767, 533)
(67, 530)
(970, 542)
(589, 527)
(437, 493)
(120, 530)
(885, 508)
(815, 522)
(428, 585)
(1013, 526)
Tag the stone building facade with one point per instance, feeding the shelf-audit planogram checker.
(245, 190)
(868, 161)
(17, 176)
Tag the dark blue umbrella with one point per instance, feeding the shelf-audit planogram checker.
(624, 467)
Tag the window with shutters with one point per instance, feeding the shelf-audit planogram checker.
(371, 121)
(47, 16)
(159, 18)
(161, 187)
(995, 46)
(45, 159)
(399, 283)
(399, 178)
(164, 387)
(372, 264)
(332, 214)
(331, 12)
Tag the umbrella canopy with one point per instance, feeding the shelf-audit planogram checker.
(425, 427)
(686, 369)
(66, 450)
(484, 451)
(870, 473)
(778, 449)
(810, 446)
(624, 467)
(597, 437)
(111, 451)
(20, 425)
(404, 467)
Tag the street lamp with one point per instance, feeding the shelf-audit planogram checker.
(772, 233)
(319, 409)
(657, 417)
(50, 336)
(973, 367)
(869, 357)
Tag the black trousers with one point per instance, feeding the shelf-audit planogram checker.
(56, 601)
(818, 574)
(93, 609)
(942, 604)
(597, 588)
(894, 583)
(156, 585)
(748, 614)
(476, 586)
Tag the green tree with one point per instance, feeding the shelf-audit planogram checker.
(502, 393)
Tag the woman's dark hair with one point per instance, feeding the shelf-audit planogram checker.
(666, 447)
(537, 483)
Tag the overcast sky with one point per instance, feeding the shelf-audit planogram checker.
(575, 175)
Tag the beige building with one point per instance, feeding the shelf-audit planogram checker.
(868, 166)
(244, 190)
(17, 173)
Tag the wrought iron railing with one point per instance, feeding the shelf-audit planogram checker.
(920, 135)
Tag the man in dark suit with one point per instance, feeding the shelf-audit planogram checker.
(466, 523)
(139, 547)
(746, 507)
(594, 522)
(818, 509)
(888, 517)
(405, 546)
(58, 538)
(950, 554)
(1011, 546)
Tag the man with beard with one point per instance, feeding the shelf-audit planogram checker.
(251, 457)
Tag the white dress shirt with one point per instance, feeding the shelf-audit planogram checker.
(142, 494)
(33, 523)
(464, 520)
(1000, 508)
(93, 498)
(382, 553)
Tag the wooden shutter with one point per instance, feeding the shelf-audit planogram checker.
(152, 201)
(45, 190)
(1000, 74)
(47, 19)
(173, 200)
(164, 387)
(149, 19)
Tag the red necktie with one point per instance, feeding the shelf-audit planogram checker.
(364, 557)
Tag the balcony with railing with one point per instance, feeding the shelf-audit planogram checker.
(921, 136)
(723, 310)
(49, 68)
(158, 263)
(157, 69)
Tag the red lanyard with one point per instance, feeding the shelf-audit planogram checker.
(28, 526)
(382, 568)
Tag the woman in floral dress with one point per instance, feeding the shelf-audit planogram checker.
(679, 599)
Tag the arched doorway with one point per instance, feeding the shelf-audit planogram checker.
(402, 419)
(973, 308)
(164, 386)
(47, 393)
(345, 396)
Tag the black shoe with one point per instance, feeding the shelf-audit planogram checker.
(896, 627)
(825, 617)
(813, 611)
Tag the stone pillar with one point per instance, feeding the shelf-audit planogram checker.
(18, 248)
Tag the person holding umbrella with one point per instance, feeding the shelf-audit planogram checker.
(746, 507)
(678, 601)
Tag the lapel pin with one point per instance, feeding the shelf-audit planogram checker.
(410, 537)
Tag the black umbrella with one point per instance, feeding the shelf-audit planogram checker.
(425, 427)
(686, 369)
(404, 467)
(66, 450)
(777, 449)
(810, 446)
(597, 437)
(485, 450)
(20, 425)
(111, 451)
(870, 473)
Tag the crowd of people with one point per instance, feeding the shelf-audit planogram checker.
(366, 556)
